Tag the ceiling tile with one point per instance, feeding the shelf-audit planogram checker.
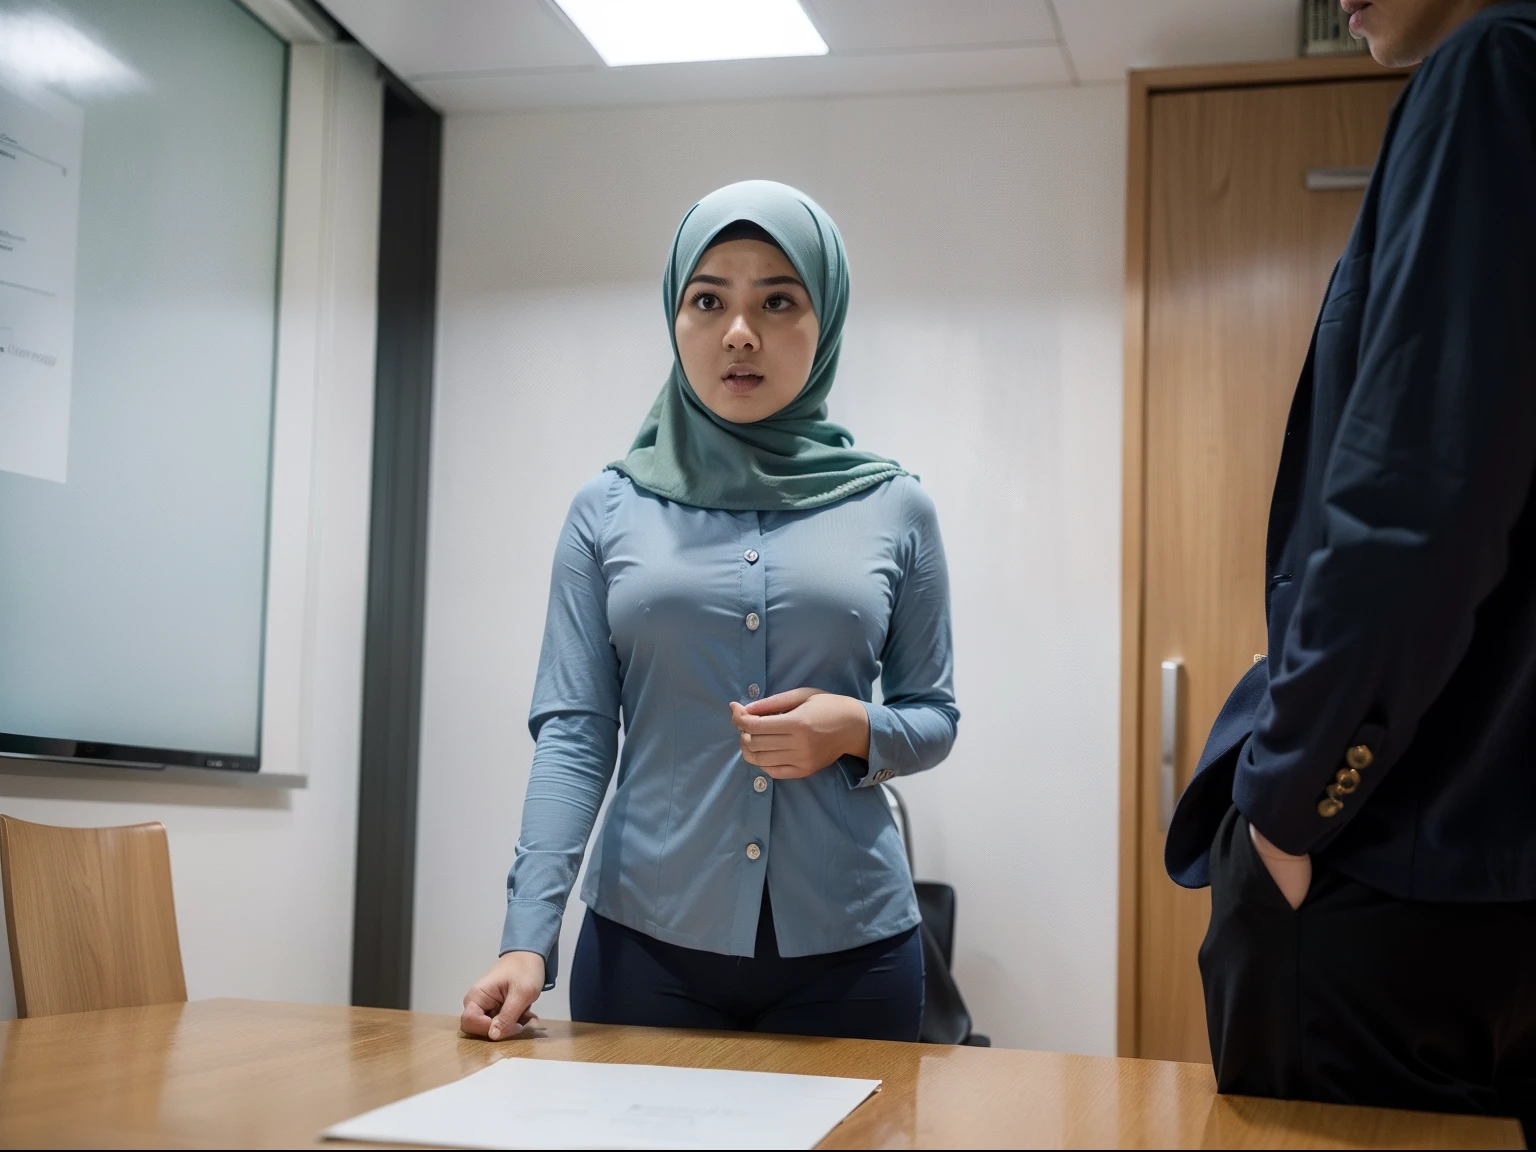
(751, 79)
(415, 37)
(1105, 37)
(485, 54)
(870, 25)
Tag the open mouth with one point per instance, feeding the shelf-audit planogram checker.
(741, 379)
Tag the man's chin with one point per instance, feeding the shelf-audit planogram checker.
(1391, 52)
(1400, 59)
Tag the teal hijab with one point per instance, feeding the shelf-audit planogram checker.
(795, 458)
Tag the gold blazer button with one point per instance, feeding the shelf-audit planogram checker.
(1359, 757)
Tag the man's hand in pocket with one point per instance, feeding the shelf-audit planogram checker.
(1291, 874)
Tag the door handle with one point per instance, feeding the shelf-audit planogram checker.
(1336, 179)
(1168, 762)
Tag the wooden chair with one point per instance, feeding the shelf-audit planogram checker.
(90, 916)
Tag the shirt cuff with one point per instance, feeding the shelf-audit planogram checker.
(534, 926)
(861, 773)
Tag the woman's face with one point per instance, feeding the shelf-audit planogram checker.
(746, 332)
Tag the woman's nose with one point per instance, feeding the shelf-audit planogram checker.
(739, 337)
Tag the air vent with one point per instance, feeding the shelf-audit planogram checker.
(1325, 30)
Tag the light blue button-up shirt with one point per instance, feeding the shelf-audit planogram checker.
(660, 614)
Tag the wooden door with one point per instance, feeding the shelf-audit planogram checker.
(1238, 253)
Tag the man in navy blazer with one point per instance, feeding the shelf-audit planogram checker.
(1365, 809)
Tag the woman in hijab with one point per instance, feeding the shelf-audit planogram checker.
(729, 592)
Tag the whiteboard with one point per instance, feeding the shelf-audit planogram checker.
(140, 182)
(40, 136)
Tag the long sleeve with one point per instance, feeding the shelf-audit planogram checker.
(914, 728)
(660, 614)
(1433, 462)
(575, 724)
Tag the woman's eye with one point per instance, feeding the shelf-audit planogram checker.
(706, 301)
(779, 302)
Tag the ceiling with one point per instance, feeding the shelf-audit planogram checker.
(494, 55)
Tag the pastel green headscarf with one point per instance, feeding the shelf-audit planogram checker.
(795, 458)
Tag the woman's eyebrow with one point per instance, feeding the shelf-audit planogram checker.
(767, 282)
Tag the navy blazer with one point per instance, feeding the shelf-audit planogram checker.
(1392, 731)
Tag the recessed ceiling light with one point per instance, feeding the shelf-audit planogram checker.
(676, 31)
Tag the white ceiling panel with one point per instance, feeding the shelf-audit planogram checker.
(417, 37)
(1105, 37)
(750, 79)
(485, 55)
(872, 25)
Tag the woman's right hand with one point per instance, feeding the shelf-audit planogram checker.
(497, 1007)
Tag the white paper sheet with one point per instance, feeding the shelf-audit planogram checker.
(519, 1103)
(40, 141)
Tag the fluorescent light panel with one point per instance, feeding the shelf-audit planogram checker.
(626, 32)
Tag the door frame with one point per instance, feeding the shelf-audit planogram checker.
(1143, 84)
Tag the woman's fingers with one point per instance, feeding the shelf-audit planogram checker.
(771, 713)
(500, 1003)
(808, 737)
(480, 1002)
(771, 760)
(781, 702)
(767, 742)
(474, 1022)
(784, 722)
(771, 751)
(767, 752)
(510, 1020)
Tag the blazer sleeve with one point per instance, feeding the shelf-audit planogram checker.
(1433, 461)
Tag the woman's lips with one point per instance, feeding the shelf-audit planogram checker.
(741, 381)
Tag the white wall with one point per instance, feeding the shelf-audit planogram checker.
(983, 351)
(263, 879)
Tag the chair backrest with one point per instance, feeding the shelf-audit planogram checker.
(90, 916)
(936, 905)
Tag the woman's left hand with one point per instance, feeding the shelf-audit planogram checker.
(798, 733)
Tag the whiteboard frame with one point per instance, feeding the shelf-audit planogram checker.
(323, 386)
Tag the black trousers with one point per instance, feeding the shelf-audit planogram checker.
(1358, 997)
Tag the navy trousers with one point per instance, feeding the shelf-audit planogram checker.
(873, 992)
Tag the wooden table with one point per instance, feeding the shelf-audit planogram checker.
(244, 1073)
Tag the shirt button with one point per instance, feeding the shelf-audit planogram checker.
(1359, 757)
(753, 620)
(753, 691)
(753, 851)
(751, 555)
(758, 785)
